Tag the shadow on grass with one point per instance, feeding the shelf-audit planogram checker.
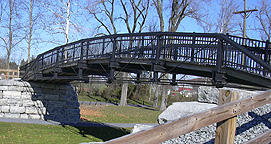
(150, 108)
(105, 133)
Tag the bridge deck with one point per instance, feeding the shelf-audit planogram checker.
(224, 58)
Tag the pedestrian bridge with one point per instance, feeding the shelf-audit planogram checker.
(224, 58)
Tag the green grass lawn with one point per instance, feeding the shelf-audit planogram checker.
(117, 114)
(47, 134)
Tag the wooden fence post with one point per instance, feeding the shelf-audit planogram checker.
(225, 131)
(196, 121)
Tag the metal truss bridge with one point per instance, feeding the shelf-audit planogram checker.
(224, 58)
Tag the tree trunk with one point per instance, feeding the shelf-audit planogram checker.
(30, 31)
(67, 23)
(10, 32)
(124, 90)
(164, 98)
(156, 95)
(8, 59)
(90, 86)
(159, 8)
(150, 92)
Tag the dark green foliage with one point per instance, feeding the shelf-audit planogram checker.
(3, 64)
(137, 94)
(180, 98)
(138, 91)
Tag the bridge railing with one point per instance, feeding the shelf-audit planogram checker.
(261, 49)
(254, 55)
(218, 50)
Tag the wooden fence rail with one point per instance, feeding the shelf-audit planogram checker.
(196, 121)
(261, 139)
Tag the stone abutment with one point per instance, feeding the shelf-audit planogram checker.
(35, 100)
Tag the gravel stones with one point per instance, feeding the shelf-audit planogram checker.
(249, 124)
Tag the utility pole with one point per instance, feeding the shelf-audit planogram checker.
(245, 13)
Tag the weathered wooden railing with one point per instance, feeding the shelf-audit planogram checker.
(194, 122)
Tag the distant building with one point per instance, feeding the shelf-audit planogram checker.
(9, 73)
(185, 90)
(190, 90)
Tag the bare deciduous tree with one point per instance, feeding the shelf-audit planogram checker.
(137, 14)
(222, 21)
(104, 13)
(33, 15)
(178, 10)
(264, 17)
(159, 6)
(134, 18)
(30, 12)
(226, 21)
(63, 15)
(11, 27)
(207, 22)
(152, 25)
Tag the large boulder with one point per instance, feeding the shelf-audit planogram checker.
(141, 127)
(208, 94)
(182, 109)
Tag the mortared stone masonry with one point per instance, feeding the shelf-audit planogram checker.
(35, 100)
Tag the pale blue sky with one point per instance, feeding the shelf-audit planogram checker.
(187, 25)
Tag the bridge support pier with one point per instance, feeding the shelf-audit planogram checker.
(218, 79)
(173, 82)
(157, 68)
(112, 65)
(137, 81)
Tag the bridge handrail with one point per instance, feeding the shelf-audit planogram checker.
(27, 67)
(248, 42)
(247, 52)
(136, 34)
(199, 37)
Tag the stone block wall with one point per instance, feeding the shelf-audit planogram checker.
(34, 100)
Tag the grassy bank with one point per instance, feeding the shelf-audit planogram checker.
(117, 114)
(45, 134)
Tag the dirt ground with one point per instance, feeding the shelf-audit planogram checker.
(90, 111)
